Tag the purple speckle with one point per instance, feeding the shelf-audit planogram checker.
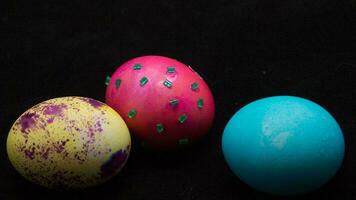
(98, 125)
(54, 109)
(30, 153)
(45, 154)
(27, 121)
(92, 102)
(91, 136)
(59, 147)
(116, 162)
(50, 120)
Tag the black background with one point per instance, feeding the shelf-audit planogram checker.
(244, 49)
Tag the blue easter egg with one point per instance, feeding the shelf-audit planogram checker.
(283, 145)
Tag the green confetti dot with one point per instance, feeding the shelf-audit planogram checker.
(182, 118)
(143, 81)
(171, 70)
(200, 103)
(132, 113)
(183, 141)
(173, 102)
(195, 86)
(117, 83)
(107, 80)
(167, 83)
(137, 66)
(159, 128)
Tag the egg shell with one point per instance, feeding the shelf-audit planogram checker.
(283, 145)
(69, 142)
(164, 102)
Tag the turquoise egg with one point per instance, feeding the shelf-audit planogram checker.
(283, 145)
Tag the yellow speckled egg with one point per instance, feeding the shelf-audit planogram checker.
(69, 142)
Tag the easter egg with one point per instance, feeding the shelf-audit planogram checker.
(283, 145)
(163, 101)
(68, 143)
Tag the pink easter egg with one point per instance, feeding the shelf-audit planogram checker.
(164, 102)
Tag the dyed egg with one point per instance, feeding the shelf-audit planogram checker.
(164, 102)
(283, 145)
(69, 142)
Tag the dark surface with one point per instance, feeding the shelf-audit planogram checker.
(244, 49)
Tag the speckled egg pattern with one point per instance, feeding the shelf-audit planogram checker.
(164, 102)
(69, 142)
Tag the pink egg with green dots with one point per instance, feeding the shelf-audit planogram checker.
(164, 102)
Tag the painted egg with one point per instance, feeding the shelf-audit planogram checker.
(283, 145)
(68, 143)
(163, 101)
